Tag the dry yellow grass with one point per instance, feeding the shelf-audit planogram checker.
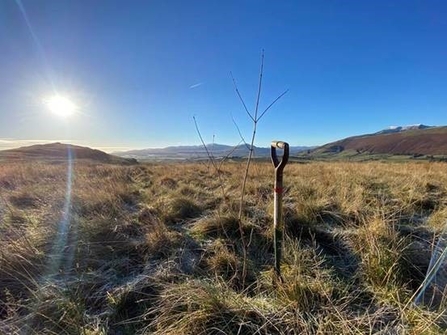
(156, 248)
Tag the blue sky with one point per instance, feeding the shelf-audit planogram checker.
(140, 70)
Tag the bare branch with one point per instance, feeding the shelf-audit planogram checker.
(240, 97)
(240, 134)
(210, 156)
(274, 101)
(228, 154)
(213, 163)
(261, 71)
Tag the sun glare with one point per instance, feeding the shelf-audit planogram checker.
(61, 106)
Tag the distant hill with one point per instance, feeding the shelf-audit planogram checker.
(199, 152)
(60, 151)
(411, 140)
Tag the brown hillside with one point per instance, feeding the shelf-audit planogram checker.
(60, 151)
(431, 141)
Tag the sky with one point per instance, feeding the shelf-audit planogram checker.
(139, 71)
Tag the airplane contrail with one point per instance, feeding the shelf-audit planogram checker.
(196, 85)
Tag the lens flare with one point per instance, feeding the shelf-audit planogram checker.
(59, 257)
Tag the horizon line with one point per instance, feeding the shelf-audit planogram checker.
(10, 143)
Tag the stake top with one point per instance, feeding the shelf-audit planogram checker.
(279, 165)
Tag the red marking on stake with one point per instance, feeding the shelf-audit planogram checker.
(278, 190)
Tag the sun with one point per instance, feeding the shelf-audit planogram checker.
(61, 106)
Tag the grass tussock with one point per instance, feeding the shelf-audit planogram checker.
(218, 226)
(178, 209)
(158, 249)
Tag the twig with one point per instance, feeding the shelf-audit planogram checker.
(240, 134)
(240, 97)
(261, 72)
(229, 153)
(217, 169)
(274, 101)
(208, 153)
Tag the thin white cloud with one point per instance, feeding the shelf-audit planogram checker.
(196, 85)
(116, 149)
(6, 140)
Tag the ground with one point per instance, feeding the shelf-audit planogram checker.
(159, 249)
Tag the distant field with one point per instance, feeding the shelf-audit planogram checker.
(157, 249)
(355, 156)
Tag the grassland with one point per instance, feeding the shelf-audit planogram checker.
(157, 249)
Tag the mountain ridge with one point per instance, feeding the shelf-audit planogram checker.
(61, 151)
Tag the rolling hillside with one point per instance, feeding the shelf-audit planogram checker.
(424, 141)
(60, 151)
